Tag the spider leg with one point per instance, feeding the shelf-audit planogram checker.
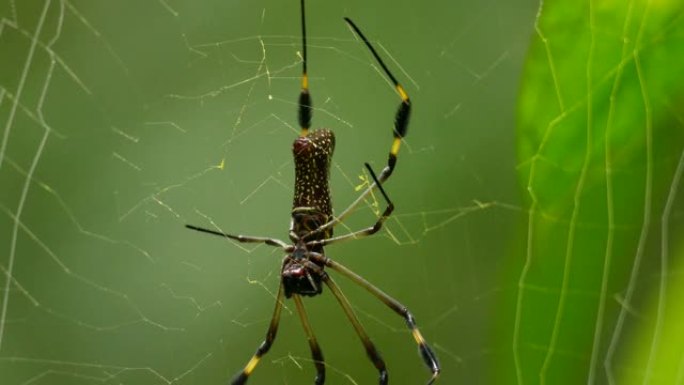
(364, 232)
(241, 378)
(316, 352)
(305, 109)
(243, 238)
(371, 351)
(426, 352)
(401, 121)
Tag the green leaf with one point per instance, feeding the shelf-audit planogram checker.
(599, 140)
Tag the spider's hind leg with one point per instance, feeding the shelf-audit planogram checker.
(316, 352)
(371, 351)
(427, 354)
(241, 378)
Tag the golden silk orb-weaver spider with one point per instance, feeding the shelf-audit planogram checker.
(311, 229)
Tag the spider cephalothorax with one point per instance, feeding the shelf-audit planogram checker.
(300, 274)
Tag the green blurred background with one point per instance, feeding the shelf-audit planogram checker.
(122, 121)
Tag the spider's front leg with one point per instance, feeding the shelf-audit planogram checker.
(243, 238)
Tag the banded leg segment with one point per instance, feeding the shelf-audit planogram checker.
(401, 118)
(371, 351)
(241, 378)
(426, 352)
(401, 122)
(305, 108)
(316, 352)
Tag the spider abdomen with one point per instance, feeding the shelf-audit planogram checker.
(312, 156)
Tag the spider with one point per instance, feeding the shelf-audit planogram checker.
(311, 228)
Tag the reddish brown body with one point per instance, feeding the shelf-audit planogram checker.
(311, 208)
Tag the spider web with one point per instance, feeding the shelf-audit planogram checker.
(123, 121)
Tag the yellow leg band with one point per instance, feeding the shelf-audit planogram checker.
(419, 338)
(395, 146)
(251, 365)
(305, 81)
(402, 93)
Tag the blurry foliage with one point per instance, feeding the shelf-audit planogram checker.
(600, 133)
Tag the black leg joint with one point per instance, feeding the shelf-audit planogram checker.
(320, 371)
(410, 321)
(401, 119)
(384, 377)
(263, 348)
(240, 379)
(391, 162)
(305, 110)
(320, 365)
(378, 362)
(429, 358)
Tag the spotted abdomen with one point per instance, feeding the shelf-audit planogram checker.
(312, 158)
